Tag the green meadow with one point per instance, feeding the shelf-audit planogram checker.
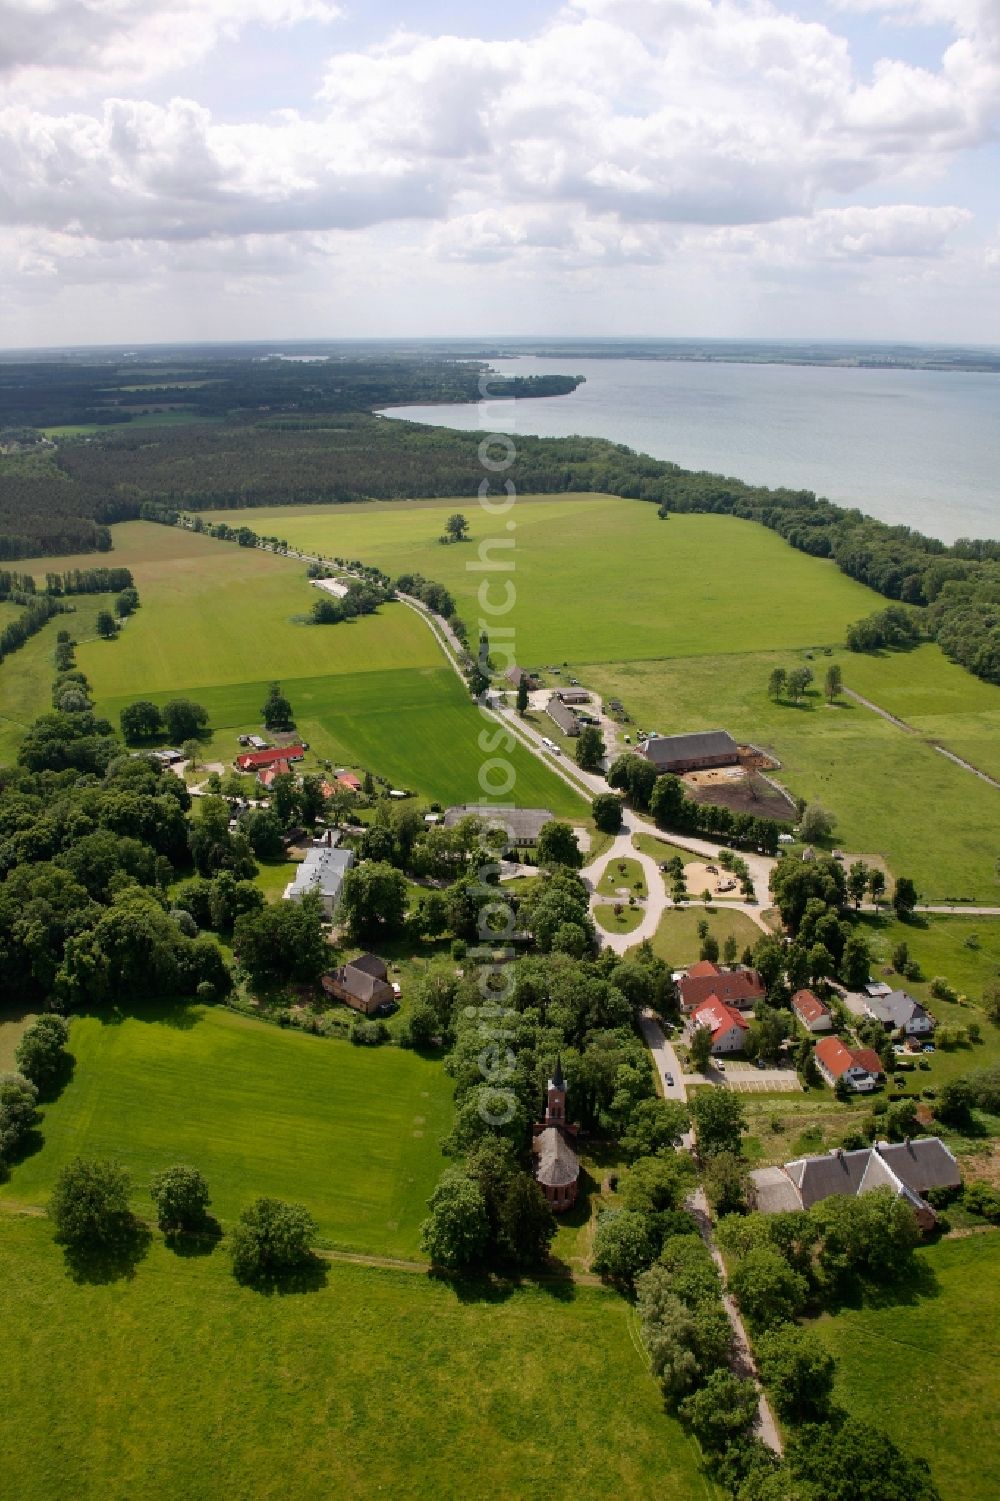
(677, 940)
(26, 675)
(599, 579)
(384, 1383)
(353, 1133)
(893, 795)
(218, 622)
(926, 1367)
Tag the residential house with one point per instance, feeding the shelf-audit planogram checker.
(910, 1169)
(697, 752)
(515, 674)
(860, 1068)
(557, 1168)
(814, 1014)
(363, 984)
(322, 870)
(562, 716)
(348, 781)
(737, 986)
(267, 776)
(899, 1012)
(727, 1025)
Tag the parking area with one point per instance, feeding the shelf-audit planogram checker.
(747, 1079)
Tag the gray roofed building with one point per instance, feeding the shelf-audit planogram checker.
(523, 825)
(515, 674)
(692, 752)
(562, 715)
(908, 1168)
(558, 1164)
(773, 1191)
(899, 1012)
(363, 983)
(322, 870)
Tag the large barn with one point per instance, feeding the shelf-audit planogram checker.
(698, 752)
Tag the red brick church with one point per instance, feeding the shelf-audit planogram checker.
(558, 1167)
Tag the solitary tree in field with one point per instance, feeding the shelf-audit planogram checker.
(776, 683)
(181, 1197)
(834, 682)
(89, 1202)
(904, 897)
(271, 1239)
(876, 884)
(456, 527)
(276, 710)
(106, 627)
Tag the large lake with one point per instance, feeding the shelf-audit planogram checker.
(914, 446)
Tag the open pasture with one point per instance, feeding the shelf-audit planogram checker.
(216, 623)
(353, 1133)
(379, 1383)
(939, 1348)
(677, 941)
(598, 578)
(892, 794)
(26, 676)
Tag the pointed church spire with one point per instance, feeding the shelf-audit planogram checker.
(557, 1077)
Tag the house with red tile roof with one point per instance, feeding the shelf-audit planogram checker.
(349, 780)
(727, 1026)
(814, 1014)
(737, 986)
(260, 760)
(267, 776)
(860, 1068)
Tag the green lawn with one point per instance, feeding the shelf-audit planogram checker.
(26, 675)
(662, 849)
(927, 1366)
(379, 1384)
(351, 1132)
(615, 878)
(677, 939)
(690, 586)
(893, 795)
(613, 922)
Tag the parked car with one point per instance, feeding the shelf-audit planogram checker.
(670, 1080)
(928, 1047)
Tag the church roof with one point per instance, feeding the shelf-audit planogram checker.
(558, 1164)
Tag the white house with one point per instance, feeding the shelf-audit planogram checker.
(860, 1068)
(814, 1014)
(899, 1012)
(322, 870)
(727, 1026)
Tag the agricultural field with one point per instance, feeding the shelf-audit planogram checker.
(26, 675)
(677, 940)
(217, 623)
(888, 789)
(353, 1133)
(939, 1348)
(690, 586)
(378, 1383)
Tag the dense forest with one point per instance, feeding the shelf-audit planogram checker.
(294, 434)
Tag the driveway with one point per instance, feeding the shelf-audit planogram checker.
(652, 906)
(664, 1057)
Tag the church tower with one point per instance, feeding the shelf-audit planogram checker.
(555, 1100)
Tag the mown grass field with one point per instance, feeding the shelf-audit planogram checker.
(26, 676)
(217, 623)
(690, 586)
(892, 794)
(927, 1366)
(353, 1133)
(677, 940)
(379, 1383)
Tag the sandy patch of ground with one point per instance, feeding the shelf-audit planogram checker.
(721, 883)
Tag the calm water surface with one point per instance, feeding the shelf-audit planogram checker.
(913, 446)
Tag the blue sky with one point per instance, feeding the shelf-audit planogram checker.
(297, 168)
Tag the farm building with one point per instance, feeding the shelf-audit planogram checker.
(813, 1013)
(278, 769)
(515, 674)
(363, 984)
(523, 825)
(678, 753)
(258, 760)
(322, 870)
(348, 781)
(558, 1167)
(909, 1168)
(727, 1026)
(573, 695)
(860, 1068)
(562, 716)
(704, 981)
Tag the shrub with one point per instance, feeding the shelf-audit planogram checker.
(368, 1034)
(181, 1197)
